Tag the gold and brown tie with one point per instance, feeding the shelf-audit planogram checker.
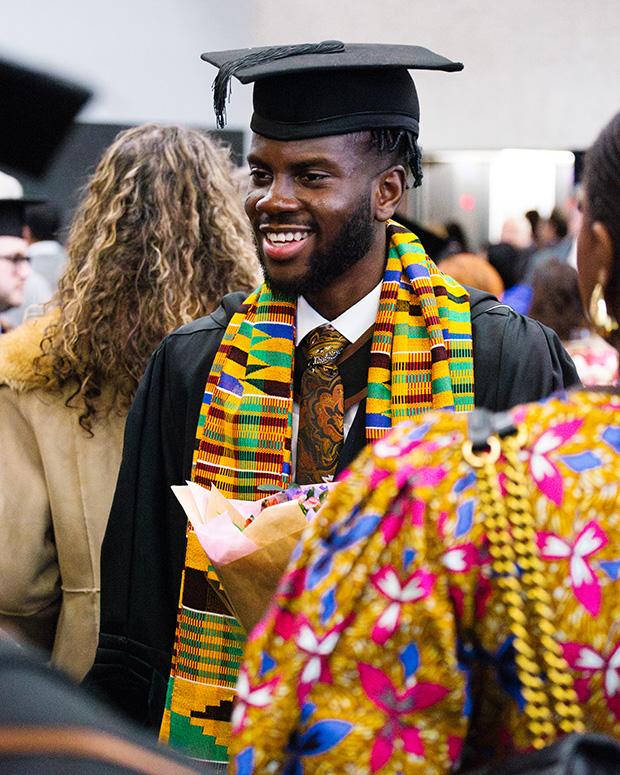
(321, 407)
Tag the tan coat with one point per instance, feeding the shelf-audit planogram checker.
(56, 488)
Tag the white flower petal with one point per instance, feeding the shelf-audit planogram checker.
(390, 585)
(328, 644)
(612, 682)
(580, 571)
(238, 715)
(556, 546)
(389, 617)
(412, 591)
(243, 685)
(541, 467)
(588, 543)
(614, 659)
(589, 660)
(311, 671)
(546, 443)
(307, 640)
(454, 560)
(260, 697)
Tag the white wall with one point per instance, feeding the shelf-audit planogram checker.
(142, 57)
(538, 73)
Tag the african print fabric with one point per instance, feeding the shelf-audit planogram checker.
(387, 648)
(421, 358)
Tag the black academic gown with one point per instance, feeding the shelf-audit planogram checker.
(516, 360)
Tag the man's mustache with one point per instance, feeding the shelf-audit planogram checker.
(285, 219)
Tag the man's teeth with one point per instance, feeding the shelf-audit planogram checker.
(286, 236)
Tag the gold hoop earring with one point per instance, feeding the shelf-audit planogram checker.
(603, 322)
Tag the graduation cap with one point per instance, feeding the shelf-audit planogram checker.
(328, 88)
(36, 111)
(12, 206)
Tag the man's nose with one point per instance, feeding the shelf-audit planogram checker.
(279, 197)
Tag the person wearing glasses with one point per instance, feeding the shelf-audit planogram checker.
(14, 271)
(15, 268)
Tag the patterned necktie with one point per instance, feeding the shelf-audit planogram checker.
(321, 407)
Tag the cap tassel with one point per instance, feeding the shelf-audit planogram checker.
(221, 84)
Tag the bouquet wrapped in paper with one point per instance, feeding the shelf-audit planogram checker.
(249, 543)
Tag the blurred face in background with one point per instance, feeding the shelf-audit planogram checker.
(516, 232)
(14, 271)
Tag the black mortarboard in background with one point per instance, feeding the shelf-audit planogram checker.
(36, 111)
(11, 217)
(329, 88)
(434, 244)
(13, 205)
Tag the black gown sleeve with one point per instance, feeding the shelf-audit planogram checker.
(139, 574)
(516, 360)
(144, 545)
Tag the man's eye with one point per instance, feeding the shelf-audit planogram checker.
(312, 177)
(259, 176)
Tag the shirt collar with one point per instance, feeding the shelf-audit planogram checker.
(351, 323)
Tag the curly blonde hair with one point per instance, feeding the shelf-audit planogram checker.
(160, 236)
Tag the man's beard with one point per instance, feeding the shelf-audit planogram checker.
(351, 245)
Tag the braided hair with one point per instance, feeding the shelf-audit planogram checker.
(602, 179)
(602, 187)
(402, 146)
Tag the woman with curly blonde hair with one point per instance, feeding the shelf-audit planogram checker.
(159, 238)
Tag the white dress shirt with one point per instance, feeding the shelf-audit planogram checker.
(351, 324)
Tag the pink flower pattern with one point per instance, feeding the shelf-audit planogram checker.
(382, 692)
(589, 541)
(258, 696)
(392, 523)
(584, 659)
(415, 582)
(415, 587)
(544, 471)
(461, 558)
(318, 649)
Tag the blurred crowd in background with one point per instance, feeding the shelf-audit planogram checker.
(532, 268)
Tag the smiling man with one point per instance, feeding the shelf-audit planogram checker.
(353, 330)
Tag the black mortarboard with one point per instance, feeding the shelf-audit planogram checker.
(329, 88)
(12, 206)
(36, 111)
(11, 217)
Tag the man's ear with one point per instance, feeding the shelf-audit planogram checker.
(390, 187)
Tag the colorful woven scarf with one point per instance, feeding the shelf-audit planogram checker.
(421, 358)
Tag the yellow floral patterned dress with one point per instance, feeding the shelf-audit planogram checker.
(387, 648)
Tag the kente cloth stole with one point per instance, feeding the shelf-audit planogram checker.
(421, 358)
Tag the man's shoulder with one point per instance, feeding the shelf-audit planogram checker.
(185, 356)
(483, 302)
(215, 321)
(516, 359)
(492, 321)
(489, 315)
